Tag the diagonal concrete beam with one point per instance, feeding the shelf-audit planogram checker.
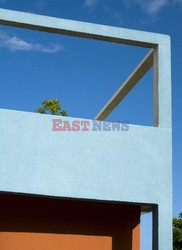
(142, 68)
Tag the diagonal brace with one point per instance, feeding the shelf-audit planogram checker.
(142, 68)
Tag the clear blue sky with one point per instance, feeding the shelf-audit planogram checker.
(83, 73)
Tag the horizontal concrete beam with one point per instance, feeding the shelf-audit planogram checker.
(142, 68)
(80, 29)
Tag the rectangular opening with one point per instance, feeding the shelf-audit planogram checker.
(67, 223)
(83, 74)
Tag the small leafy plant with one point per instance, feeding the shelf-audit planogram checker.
(53, 107)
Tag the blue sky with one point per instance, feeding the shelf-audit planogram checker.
(83, 73)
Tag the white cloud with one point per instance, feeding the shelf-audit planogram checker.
(151, 7)
(15, 43)
(90, 3)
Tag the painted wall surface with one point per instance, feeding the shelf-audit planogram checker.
(39, 241)
(131, 166)
(41, 223)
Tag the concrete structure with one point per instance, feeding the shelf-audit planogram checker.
(94, 183)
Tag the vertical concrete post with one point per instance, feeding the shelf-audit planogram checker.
(155, 230)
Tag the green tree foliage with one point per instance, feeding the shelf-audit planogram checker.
(53, 107)
(177, 233)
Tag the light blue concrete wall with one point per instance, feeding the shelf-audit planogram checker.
(131, 166)
(127, 166)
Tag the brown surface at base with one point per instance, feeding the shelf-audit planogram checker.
(136, 238)
(39, 223)
(31, 241)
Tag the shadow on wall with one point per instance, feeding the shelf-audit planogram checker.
(52, 222)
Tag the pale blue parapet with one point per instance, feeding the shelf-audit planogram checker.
(127, 166)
